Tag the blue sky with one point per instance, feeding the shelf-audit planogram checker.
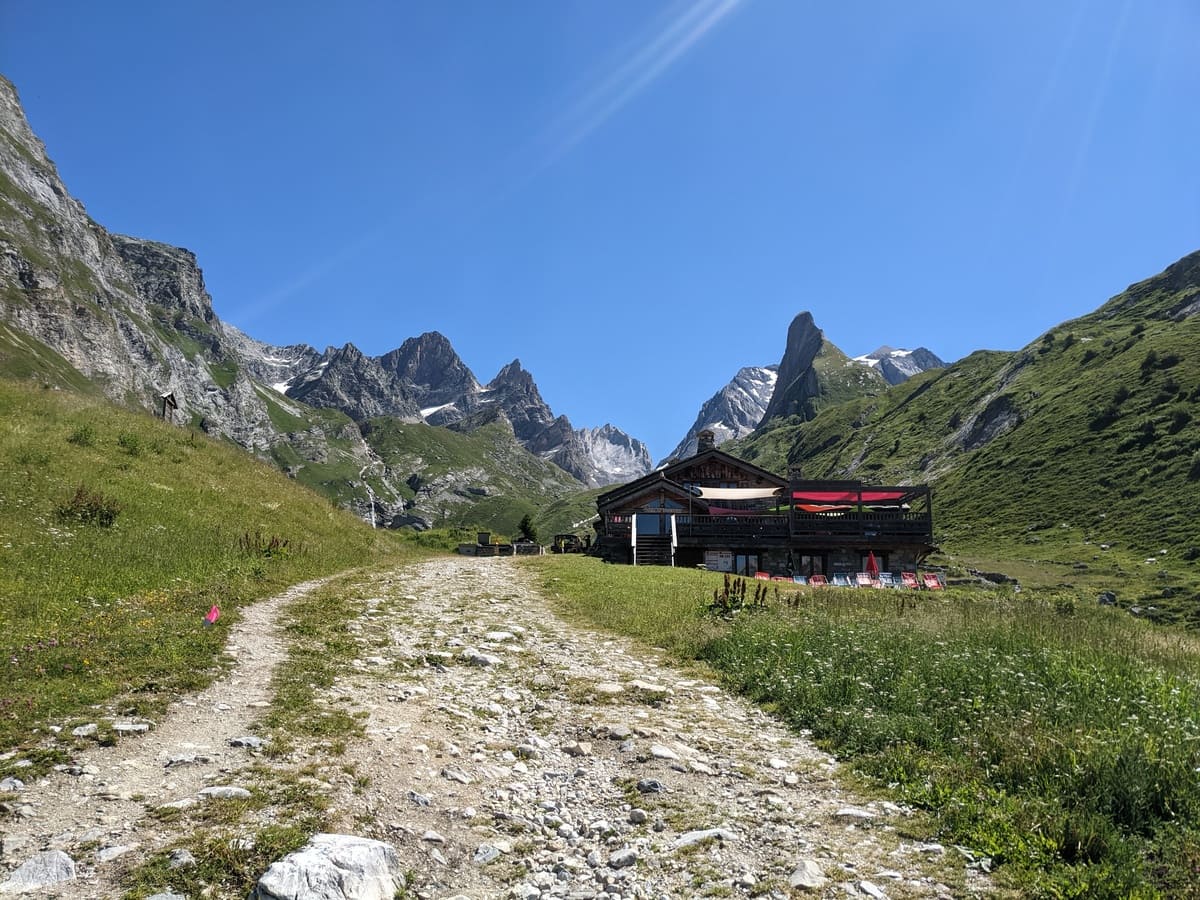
(635, 198)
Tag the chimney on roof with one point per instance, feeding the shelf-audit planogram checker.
(705, 440)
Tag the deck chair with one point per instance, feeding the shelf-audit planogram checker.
(841, 579)
(763, 576)
(816, 580)
(887, 580)
(910, 580)
(780, 578)
(933, 582)
(800, 579)
(864, 579)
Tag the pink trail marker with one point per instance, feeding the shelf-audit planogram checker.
(213, 615)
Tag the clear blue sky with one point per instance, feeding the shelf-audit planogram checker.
(633, 197)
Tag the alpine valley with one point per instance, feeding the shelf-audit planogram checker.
(1080, 450)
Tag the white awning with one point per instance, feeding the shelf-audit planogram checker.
(711, 493)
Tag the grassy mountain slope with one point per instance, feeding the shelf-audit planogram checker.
(118, 532)
(1082, 441)
(482, 478)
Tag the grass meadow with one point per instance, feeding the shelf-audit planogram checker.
(117, 534)
(1057, 738)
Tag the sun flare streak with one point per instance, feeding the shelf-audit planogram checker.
(629, 78)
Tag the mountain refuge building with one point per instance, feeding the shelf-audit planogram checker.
(717, 511)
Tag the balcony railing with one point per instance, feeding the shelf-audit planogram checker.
(844, 526)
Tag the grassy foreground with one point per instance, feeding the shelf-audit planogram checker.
(1058, 738)
(117, 534)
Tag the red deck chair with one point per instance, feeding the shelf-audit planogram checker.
(933, 582)
(763, 576)
(817, 581)
(864, 579)
(910, 580)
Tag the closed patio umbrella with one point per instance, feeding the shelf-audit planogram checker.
(872, 564)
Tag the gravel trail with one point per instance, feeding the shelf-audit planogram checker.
(507, 754)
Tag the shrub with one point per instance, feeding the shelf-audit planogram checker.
(273, 547)
(83, 436)
(130, 443)
(89, 507)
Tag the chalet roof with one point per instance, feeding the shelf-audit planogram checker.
(672, 469)
(670, 475)
(656, 486)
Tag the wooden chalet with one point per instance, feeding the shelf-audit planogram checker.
(726, 514)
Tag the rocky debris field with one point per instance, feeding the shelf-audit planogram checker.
(506, 753)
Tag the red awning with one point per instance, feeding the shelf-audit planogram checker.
(848, 496)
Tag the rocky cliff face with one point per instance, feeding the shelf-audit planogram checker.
(897, 366)
(734, 411)
(131, 315)
(614, 456)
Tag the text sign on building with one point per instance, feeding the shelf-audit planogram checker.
(718, 560)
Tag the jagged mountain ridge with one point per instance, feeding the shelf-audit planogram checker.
(426, 380)
(897, 366)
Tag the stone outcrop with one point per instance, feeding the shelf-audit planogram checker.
(334, 867)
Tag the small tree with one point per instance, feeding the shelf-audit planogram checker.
(528, 532)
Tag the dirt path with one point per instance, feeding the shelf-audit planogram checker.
(509, 754)
(100, 802)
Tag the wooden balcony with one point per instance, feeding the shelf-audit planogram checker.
(847, 528)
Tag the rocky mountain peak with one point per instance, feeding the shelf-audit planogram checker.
(435, 372)
(349, 380)
(796, 384)
(512, 374)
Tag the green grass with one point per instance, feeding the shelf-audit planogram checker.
(88, 613)
(1060, 738)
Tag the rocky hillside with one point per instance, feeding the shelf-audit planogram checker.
(1089, 431)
